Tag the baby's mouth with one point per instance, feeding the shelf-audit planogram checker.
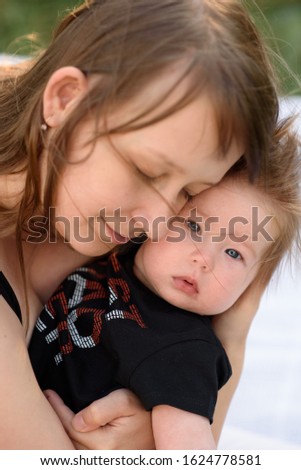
(186, 284)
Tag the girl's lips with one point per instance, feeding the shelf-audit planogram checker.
(114, 236)
(186, 284)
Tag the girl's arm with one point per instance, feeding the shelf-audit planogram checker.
(232, 329)
(120, 422)
(27, 420)
(177, 429)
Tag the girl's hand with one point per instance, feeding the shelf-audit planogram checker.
(232, 329)
(117, 421)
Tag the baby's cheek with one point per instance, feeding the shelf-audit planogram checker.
(223, 300)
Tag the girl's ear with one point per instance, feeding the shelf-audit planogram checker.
(64, 90)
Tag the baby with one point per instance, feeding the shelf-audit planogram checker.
(142, 319)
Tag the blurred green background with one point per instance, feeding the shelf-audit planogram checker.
(19, 18)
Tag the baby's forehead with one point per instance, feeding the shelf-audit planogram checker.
(230, 194)
(209, 198)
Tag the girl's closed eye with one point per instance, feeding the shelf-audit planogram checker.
(151, 177)
(193, 226)
(144, 174)
(147, 175)
(233, 253)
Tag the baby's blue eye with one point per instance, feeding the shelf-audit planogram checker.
(233, 253)
(193, 226)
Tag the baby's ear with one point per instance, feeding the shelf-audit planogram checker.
(64, 90)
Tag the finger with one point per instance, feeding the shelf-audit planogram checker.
(103, 411)
(99, 413)
(62, 410)
(80, 440)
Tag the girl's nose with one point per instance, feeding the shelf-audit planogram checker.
(152, 221)
(153, 215)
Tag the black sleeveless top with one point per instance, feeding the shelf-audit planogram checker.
(8, 294)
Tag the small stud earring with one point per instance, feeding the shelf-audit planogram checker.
(44, 127)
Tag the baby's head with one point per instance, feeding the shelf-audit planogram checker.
(213, 250)
(227, 237)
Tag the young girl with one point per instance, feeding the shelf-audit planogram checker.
(125, 320)
(134, 107)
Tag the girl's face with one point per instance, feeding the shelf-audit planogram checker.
(135, 181)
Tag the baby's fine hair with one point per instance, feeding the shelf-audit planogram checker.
(281, 190)
(129, 43)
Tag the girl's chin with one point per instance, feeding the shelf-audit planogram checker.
(92, 249)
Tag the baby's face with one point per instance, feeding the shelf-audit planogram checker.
(212, 252)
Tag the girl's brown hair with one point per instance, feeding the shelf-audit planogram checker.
(128, 43)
